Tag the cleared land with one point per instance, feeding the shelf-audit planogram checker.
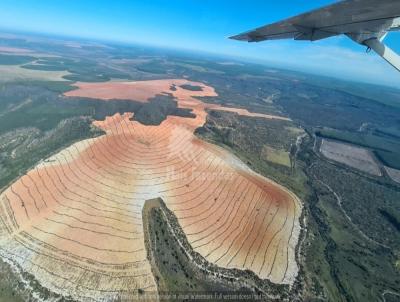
(143, 90)
(75, 220)
(355, 157)
(14, 50)
(280, 157)
(15, 73)
(393, 173)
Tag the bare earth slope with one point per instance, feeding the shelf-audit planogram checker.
(75, 223)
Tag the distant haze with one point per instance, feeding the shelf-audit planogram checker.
(202, 25)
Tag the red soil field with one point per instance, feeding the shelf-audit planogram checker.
(75, 222)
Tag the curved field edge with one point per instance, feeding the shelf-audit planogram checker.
(243, 169)
(159, 221)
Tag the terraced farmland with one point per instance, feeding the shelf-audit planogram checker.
(75, 220)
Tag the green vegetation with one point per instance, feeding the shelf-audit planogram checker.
(363, 139)
(12, 289)
(191, 87)
(34, 106)
(36, 121)
(277, 156)
(155, 67)
(81, 69)
(54, 86)
(15, 60)
(350, 255)
(316, 107)
(87, 78)
(177, 274)
(351, 249)
(249, 137)
(335, 252)
(178, 269)
(24, 147)
(157, 110)
(392, 216)
(393, 132)
(386, 148)
(389, 158)
(43, 67)
(228, 69)
(385, 95)
(364, 202)
(39, 105)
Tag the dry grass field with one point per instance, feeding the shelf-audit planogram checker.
(280, 157)
(355, 157)
(74, 221)
(15, 50)
(16, 73)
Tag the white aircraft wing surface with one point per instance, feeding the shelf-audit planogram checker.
(365, 21)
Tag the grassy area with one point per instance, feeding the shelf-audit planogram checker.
(54, 86)
(368, 140)
(15, 60)
(11, 73)
(77, 69)
(386, 148)
(249, 138)
(277, 156)
(340, 263)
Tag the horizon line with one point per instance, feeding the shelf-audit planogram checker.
(239, 58)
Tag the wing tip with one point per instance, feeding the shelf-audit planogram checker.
(249, 36)
(236, 37)
(241, 37)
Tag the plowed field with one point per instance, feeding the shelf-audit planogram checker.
(74, 221)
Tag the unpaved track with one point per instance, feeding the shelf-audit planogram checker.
(75, 222)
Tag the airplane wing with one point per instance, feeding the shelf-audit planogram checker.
(361, 20)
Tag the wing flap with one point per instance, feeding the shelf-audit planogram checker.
(345, 17)
(276, 31)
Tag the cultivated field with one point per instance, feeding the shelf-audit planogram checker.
(393, 173)
(14, 50)
(355, 157)
(280, 157)
(74, 221)
(16, 73)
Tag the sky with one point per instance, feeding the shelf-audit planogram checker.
(204, 26)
